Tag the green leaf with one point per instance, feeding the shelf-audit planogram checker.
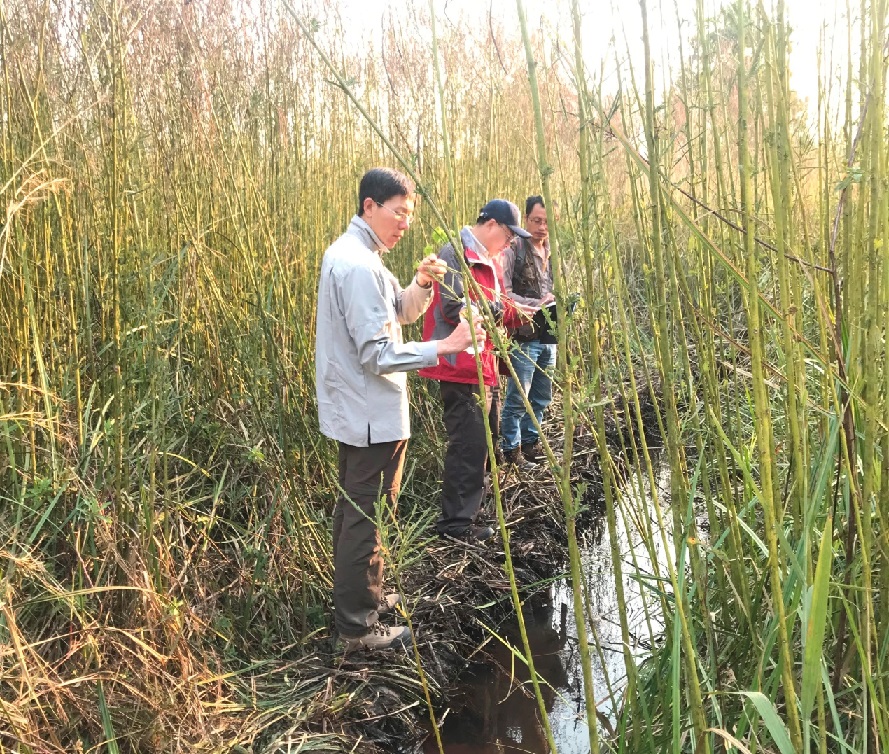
(674, 671)
(439, 236)
(769, 714)
(107, 725)
(816, 620)
(844, 184)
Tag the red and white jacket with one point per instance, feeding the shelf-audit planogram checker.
(449, 298)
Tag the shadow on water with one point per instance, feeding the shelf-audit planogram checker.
(497, 710)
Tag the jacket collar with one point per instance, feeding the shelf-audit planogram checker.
(362, 231)
(473, 249)
(529, 249)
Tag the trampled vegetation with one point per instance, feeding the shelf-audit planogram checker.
(172, 172)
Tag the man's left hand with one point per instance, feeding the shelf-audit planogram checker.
(430, 269)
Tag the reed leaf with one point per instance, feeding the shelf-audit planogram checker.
(776, 727)
(816, 622)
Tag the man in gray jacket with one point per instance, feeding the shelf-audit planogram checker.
(361, 385)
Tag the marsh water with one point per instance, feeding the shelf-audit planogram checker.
(497, 708)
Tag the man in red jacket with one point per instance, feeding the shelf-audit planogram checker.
(464, 467)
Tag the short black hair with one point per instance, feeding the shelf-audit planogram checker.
(381, 184)
(531, 202)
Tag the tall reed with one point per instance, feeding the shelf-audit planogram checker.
(171, 175)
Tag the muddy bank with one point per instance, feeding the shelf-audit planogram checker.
(458, 595)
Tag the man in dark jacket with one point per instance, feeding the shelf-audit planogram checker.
(464, 467)
(528, 280)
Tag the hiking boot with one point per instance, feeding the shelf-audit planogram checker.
(472, 534)
(498, 455)
(388, 603)
(533, 453)
(478, 533)
(515, 457)
(378, 637)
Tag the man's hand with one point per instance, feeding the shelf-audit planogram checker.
(547, 299)
(430, 269)
(461, 338)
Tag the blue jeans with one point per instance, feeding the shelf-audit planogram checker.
(533, 363)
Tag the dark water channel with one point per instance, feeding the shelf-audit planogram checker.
(497, 710)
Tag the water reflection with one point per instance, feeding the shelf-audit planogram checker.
(643, 567)
(497, 710)
(500, 712)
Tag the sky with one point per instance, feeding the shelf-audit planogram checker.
(602, 21)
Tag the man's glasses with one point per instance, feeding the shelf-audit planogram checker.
(402, 217)
(510, 236)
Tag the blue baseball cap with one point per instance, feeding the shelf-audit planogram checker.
(505, 213)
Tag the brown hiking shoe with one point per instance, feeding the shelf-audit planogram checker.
(388, 603)
(515, 457)
(380, 636)
(533, 453)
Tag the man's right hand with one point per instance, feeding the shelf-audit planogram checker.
(461, 338)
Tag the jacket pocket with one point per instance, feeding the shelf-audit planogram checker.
(335, 392)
